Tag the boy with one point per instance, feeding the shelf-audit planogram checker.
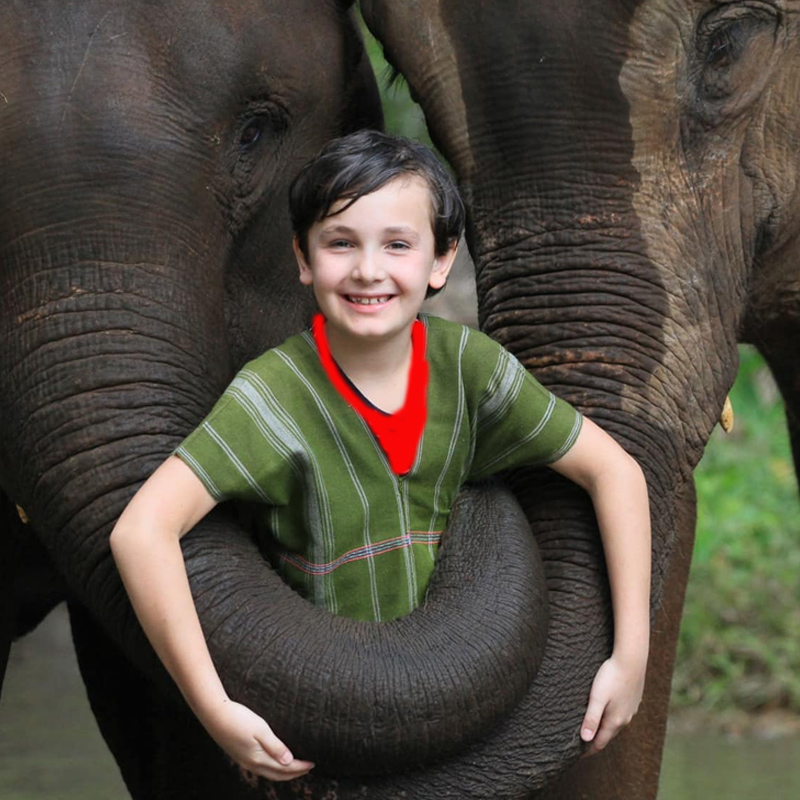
(366, 427)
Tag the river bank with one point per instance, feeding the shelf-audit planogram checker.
(764, 725)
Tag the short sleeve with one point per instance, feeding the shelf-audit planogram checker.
(235, 451)
(517, 420)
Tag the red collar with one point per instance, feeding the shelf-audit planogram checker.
(398, 434)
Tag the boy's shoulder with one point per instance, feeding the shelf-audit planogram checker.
(441, 328)
(446, 336)
(298, 350)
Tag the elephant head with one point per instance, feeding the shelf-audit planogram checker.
(145, 253)
(145, 161)
(633, 201)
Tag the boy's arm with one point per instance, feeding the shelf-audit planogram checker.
(618, 490)
(146, 546)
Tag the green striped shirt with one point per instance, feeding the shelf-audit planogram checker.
(348, 533)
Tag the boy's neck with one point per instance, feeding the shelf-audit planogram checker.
(378, 368)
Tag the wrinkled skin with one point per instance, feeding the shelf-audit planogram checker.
(145, 253)
(631, 173)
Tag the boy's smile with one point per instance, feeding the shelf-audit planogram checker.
(367, 300)
(371, 264)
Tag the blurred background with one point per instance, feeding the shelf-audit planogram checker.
(735, 723)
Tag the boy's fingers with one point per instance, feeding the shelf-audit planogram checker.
(293, 769)
(591, 720)
(267, 767)
(273, 746)
(278, 752)
(608, 730)
(285, 773)
(272, 774)
(603, 737)
(298, 766)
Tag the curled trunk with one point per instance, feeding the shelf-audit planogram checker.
(364, 698)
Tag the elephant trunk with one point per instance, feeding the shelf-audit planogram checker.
(102, 382)
(590, 315)
(540, 736)
(595, 322)
(370, 699)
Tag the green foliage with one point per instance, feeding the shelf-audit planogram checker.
(740, 636)
(401, 114)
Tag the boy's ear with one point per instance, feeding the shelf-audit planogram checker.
(442, 266)
(306, 276)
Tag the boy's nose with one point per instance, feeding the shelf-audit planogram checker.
(368, 268)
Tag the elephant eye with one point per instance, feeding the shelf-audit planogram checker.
(725, 45)
(251, 132)
(734, 45)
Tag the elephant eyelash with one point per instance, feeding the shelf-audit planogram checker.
(722, 40)
(259, 122)
(251, 133)
(726, 43)
(725, 40)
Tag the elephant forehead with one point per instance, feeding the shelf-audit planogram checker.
(299, 43)
(110, 57)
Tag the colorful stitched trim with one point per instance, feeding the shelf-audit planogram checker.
(359, 553)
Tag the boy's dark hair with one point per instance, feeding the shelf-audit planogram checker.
(361, 163)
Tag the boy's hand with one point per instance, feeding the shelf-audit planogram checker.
(614, 699)
(250, 742)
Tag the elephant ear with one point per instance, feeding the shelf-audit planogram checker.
(419, 40)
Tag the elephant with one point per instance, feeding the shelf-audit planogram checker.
(631, 197)
(145, 254)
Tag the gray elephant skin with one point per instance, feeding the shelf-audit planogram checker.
(145, 253)
(630, 175)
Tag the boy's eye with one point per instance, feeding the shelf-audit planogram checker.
(339, 243)
(398, 245)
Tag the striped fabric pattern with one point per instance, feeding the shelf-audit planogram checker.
(345, 530)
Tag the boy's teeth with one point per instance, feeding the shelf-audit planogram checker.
(369, 301)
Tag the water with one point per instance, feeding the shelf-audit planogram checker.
(50, 748)
(708, 767)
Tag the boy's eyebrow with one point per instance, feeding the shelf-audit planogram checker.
(336, 229)
(402, 229)
(394, 230)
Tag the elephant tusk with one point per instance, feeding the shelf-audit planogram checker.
(22, 515)
(726, 416)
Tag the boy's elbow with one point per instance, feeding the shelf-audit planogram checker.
(120, 537)
(621, 470)
(636, 471)
(130, 531)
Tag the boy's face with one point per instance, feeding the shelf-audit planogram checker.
(371, 264)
